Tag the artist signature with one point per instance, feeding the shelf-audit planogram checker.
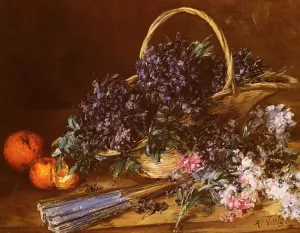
(269, 221)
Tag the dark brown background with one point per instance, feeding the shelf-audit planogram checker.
(51, 50)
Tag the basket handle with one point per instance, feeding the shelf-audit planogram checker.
(230, 83)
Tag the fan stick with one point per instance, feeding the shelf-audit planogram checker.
(76, 212)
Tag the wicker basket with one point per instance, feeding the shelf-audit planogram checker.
(231, 99)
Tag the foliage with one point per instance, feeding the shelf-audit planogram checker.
(125, 164)
(173, 91)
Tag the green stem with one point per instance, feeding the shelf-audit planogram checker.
(185, 207)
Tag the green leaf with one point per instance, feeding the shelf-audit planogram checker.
(214, 196)
(82, 171)
(132, 165)
(202, 49)
(118, 167)
(87, 163)
(84, 148)
(56, 152)
(246, 133)
(59, 161)
(62, 142)
(155, 157)
(71, 139)
(195, 201)
(72, 123)
(56, 141)
(249, 55)
(73, 169)
(157, 132)
(211, 177)
(129, 163)
(180, 194)
(67, 149)
(161, 119)
(294, 169)
(100, 157)
(173, 143)
(223, 181)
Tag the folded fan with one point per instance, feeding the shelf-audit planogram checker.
(76, 212)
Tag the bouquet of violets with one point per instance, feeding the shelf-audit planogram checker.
(240, 170)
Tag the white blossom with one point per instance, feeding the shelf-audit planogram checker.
(227, 193)
(247, 162)
(276, 188)
(250, 174)
(279, 120)
(297, 175)
(291, 206)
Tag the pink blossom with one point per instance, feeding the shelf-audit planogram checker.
(190, 163)
(244, 180)
(233, 214)
(229, 216)
(243, 203)
(230, 202)
(237, 204)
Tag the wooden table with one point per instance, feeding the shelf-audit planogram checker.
(18, 214)
(18, 198)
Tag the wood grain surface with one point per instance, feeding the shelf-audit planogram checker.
(18, 212)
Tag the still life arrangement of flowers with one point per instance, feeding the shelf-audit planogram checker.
(163, 123)
(239, 171)
(219, 163)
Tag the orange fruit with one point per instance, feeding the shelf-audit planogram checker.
(21, 149)
(64, 180)
(41, 173)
